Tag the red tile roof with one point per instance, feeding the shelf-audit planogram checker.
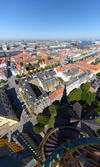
(56, 93)
(88, 66)
(18, 66)
(58, 69)
(90, 59)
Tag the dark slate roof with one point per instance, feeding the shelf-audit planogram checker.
(72, 72)
(71, 81)
(83, 75)
(30, 91)
(84, 118)
(46, 74)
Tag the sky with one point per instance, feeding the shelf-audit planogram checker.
(49, 19)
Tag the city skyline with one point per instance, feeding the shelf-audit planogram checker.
(53, 20)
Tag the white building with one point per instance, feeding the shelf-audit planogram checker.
(72, 84)
(64, 75)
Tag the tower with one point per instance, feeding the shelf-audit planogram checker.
(69, 147)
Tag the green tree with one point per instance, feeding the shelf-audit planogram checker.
(98, 131)
(48, 67)
(41, 69)
(29, 73)
(23, 75)
(17, 76)
(2, 81)
(49, 58)
(98, 74)
(52, 109)
(88, 97)
(86, 87)
(98, 104)
(53, 66)
(38, 128)
(33, 71)
(75, 95)
(98, 107)
(98, 120)
(3, 89)
(60, 79)
(42, 119)
(68, 70)
(21, 63)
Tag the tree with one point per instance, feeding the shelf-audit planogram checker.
(98, 104)
(52, 109)
(42, 119)
(33, 71)
(88, 97)
(21, 63)
(17, 76)
(29, 73)
(53, 66)
(98, 74)
(98, 120)
(86, 87)
(2, 81)
(91, 97)
(49, 58)
(41, 69)
(68, 70)
(2, 89)
(75, 95)
(40, 60)
(23, 75)
(98, 107)
(48, 67)
(98, 131)
(38, 128)
(60, 79)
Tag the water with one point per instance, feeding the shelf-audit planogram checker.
(83, 43)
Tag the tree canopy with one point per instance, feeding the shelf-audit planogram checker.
(82, 94)
(17, 76)
(49, 57)
(75, 95)
(89, 97)
(38, 128)
(98, 107)
(86, 86)
(42, 119)
(52, 109)
(21, 63)
(98, 74)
